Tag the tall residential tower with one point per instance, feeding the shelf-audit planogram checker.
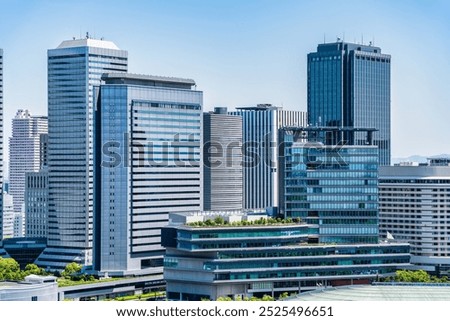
(24, 152)
(74, 68)
(349, 86)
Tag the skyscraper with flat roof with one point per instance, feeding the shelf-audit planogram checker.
(148, 163)
(74, 68)
(349, 86)
(222, 137)
(24, 152)
(260, 126)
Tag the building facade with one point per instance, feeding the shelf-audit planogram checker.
(36, 204)
(148, 164)
(8, 217)
(349, 86)
(24, 152)
(222, 160)
(74, 68)
(415, 208)
(245, 255)
(333, 186)
(260, 126)
(1, 143)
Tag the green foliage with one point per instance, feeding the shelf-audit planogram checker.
(34, 269)
(220, 221)
(253, 298)
(71, 270)
(419, 276)
(10, 270)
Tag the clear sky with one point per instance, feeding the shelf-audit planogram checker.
(244, 52)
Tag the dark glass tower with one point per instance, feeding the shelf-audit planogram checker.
(349, 86)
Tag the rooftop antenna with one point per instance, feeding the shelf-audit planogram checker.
(324, 38)
(362, 39)
(343, 36)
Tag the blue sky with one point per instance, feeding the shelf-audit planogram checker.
(244, 52)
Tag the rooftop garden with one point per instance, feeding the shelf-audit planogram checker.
(219, 221)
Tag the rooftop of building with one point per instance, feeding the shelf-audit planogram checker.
(406, 292)
(413, 171)
(147, 80)
(339, 45)
(196, 218)
(260, 107)
(88, 41)
(30, 280)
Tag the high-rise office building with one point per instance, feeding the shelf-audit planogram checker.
(43, 151)
(24, 152)
(7, 228)
(333, 186)
(222, 160)
(260, 126)
(74, 68)
(349, 86)
(148, 163)
(19, 224)
(36, 203)
(415, 208)
(1, 142)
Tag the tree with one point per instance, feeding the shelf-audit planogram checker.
(33, 269)
(71, 269)
(9, 269)
(412, 276)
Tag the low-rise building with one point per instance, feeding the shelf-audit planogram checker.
(246, 253)
(414, 207)
(34, 288)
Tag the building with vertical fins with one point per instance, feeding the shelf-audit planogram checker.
(260, 126)
(36, 204)
(74, 68)
(349, 86)
(148, 163)
(222, 138)
(24, 152)
(1, 143)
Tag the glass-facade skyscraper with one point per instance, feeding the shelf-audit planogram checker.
(333, 186)
(349, 86)
(74, 68)
(148, 156)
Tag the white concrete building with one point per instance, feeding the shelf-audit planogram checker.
(24, 152)
(414, 207)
